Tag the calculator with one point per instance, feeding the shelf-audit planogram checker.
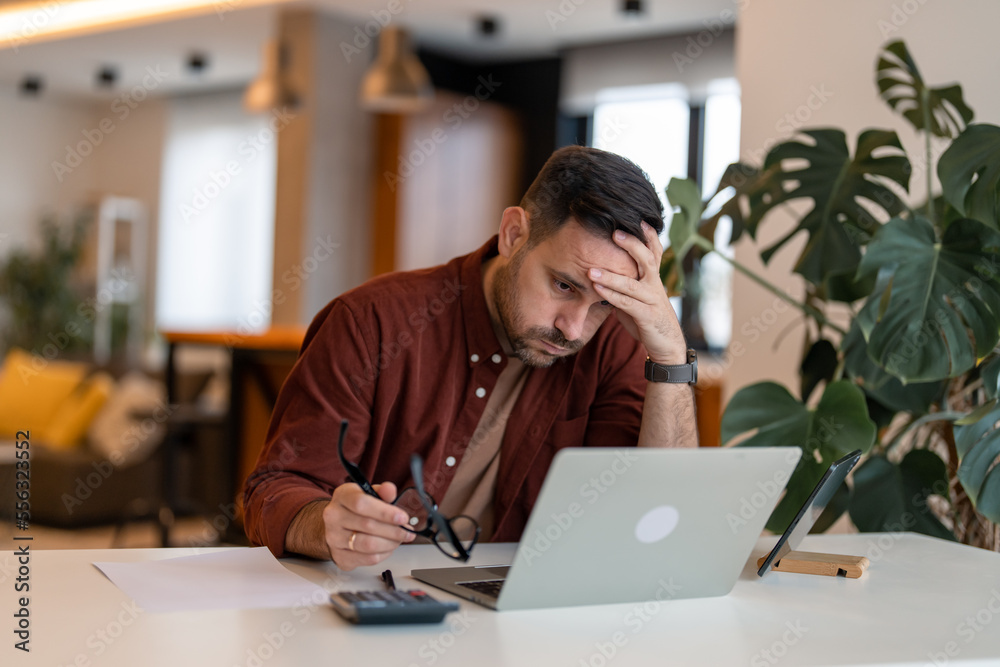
(390, 606)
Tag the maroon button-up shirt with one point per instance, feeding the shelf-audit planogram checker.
(410, 360)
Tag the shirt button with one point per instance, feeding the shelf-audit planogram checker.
(450, 461)
(474, 358)
(496, 358)
(480, 392)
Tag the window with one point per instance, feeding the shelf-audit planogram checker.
(648, 125)
(655, 127)
(216, 225)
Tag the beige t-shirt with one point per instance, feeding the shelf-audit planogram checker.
(471, 490)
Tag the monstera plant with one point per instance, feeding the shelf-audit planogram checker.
(910, 374)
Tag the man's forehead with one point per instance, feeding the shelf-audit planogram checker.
(576, 250)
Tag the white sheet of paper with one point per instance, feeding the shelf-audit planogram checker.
(231, 579)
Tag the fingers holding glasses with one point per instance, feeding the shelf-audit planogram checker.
(363, 530)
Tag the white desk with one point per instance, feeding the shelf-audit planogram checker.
(920, 599)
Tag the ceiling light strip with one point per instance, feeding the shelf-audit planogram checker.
(38, 21)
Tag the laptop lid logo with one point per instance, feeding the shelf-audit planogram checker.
(656, 524)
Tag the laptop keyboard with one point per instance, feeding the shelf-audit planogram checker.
(491, 587)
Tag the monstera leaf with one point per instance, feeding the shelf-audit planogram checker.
(990, 373)
(915, 398)
(970, 174)
(683, 193)
(892, 498)
(940, 111)
(671, 272)
(936, 306)
(819, 365)
(744, 180)
(978, 446)
(837, 426)
(838, 224)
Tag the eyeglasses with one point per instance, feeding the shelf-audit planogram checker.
(454, 537)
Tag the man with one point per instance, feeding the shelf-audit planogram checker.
(485, 367)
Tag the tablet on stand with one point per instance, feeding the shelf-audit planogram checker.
(784, 558)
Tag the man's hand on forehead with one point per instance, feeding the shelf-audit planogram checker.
(641, 301)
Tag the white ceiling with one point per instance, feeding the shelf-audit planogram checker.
(232, 39)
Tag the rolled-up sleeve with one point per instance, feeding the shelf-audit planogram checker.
(298, 463)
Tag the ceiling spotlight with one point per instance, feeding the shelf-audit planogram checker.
(31, 85)
(632, 7)
(106, 77)
(197, 62)
(488, 25)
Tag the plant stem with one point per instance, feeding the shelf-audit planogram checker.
(708, 246)
(944, 415)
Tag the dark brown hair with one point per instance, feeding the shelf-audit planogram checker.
(602, 191)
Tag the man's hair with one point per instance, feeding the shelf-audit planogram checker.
(602, 191)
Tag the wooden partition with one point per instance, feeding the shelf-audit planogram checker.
(441, 180)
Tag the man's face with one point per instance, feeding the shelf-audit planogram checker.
(545, 300)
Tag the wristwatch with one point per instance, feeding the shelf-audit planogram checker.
(683, 374)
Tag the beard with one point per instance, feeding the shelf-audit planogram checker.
(512, 319)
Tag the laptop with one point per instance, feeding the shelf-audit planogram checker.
(630, 525)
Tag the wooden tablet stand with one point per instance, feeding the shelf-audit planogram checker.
(830, 565)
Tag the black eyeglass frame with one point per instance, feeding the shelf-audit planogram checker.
(437, 523)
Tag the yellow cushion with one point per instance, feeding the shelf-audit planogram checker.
(70, 423)
(32, 389)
